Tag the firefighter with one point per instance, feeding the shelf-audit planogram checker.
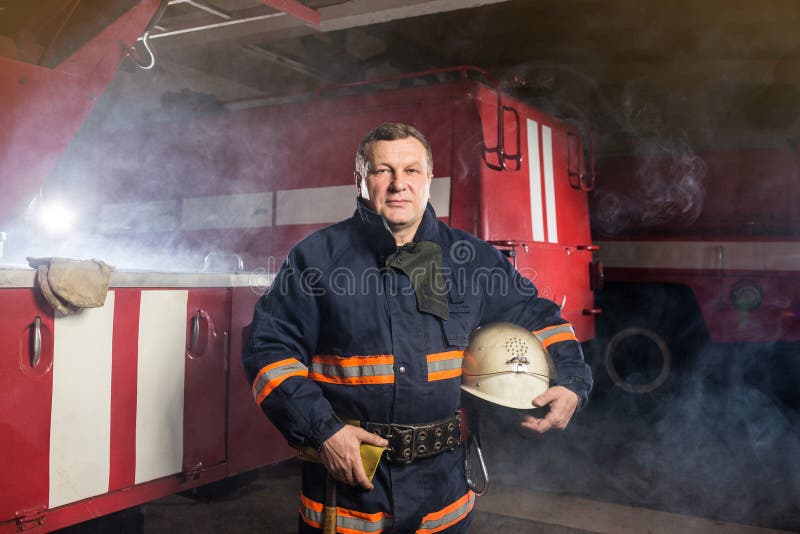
(358, 344)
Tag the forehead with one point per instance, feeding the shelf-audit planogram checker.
(406, 150)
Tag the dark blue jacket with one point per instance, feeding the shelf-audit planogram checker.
(339, 335)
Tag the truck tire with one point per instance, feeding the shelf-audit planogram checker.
(658, 345)
(648, 335)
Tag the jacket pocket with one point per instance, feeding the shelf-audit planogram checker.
(460, 325)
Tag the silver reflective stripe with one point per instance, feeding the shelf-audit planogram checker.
(363, 525)
(354, 371)
(345, 520)
(272, 374)
(311, 515)
(452, 517)
(563, 329)
(444, 365)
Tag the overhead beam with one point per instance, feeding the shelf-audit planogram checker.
(204, 6)
(295, 9)
(337, 17)
(214, 26)
(284, 60)
(365, 12)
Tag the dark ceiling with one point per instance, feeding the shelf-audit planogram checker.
(712, 74)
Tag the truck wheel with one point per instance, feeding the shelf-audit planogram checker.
(648, 336)
(638, 360)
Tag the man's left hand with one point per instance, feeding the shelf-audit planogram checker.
(563, 404)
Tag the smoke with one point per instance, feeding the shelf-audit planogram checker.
(661, 184)
(722, 445)
(660, 180)
(665, 185)
(124, 178)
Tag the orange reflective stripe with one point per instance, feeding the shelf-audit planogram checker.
(311, 511)
(449, 355)
(272, 375)
(277, 382)
(447, 516)
(364, 516)
(444, 365)
(363, 380)
(444, 375)
(353, 361)
(353, 370)
(274, 365)
(348, 521)
(311, 504)
(566, 336)
(555, 334)
(545, 330)
(355, 522)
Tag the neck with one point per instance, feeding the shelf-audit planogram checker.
(401, 240)
(402, 235)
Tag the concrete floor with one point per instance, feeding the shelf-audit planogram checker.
(269, 504)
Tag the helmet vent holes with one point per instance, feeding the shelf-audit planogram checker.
(516, 346)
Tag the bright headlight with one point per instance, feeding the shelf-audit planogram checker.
(55, 217)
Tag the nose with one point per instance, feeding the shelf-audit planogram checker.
(399, 181)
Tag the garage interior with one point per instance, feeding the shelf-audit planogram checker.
(720, 452)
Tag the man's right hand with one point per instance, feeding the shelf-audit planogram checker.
(341, 455)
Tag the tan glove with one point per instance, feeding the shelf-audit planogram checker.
(69, 285)
(370, 457)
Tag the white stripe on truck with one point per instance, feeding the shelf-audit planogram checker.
(160, 382)
(705, 255)
(535, 179)
(80, 425)
(324, 205)
(549, 185)
(248, 210)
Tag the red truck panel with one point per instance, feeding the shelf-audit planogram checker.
(745, 233)
(26, 390)
(206, 384)
(548, 235)
(119, 398)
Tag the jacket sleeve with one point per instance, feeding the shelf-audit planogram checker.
(510, 297)
(278, 353)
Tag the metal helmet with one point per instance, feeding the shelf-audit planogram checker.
(506, 364)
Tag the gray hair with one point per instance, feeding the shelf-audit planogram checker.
(389, 131)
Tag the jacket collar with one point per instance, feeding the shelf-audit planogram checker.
(428, 228)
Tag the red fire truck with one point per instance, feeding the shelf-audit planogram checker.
(696, 248)
(145, 396)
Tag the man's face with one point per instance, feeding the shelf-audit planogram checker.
(397, 185)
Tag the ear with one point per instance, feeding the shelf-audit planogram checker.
(358, 183)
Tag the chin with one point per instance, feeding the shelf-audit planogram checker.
(395, 221)
(394, 217)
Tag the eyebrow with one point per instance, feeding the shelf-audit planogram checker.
(373, 165)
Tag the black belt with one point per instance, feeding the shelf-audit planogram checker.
(414, 442)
